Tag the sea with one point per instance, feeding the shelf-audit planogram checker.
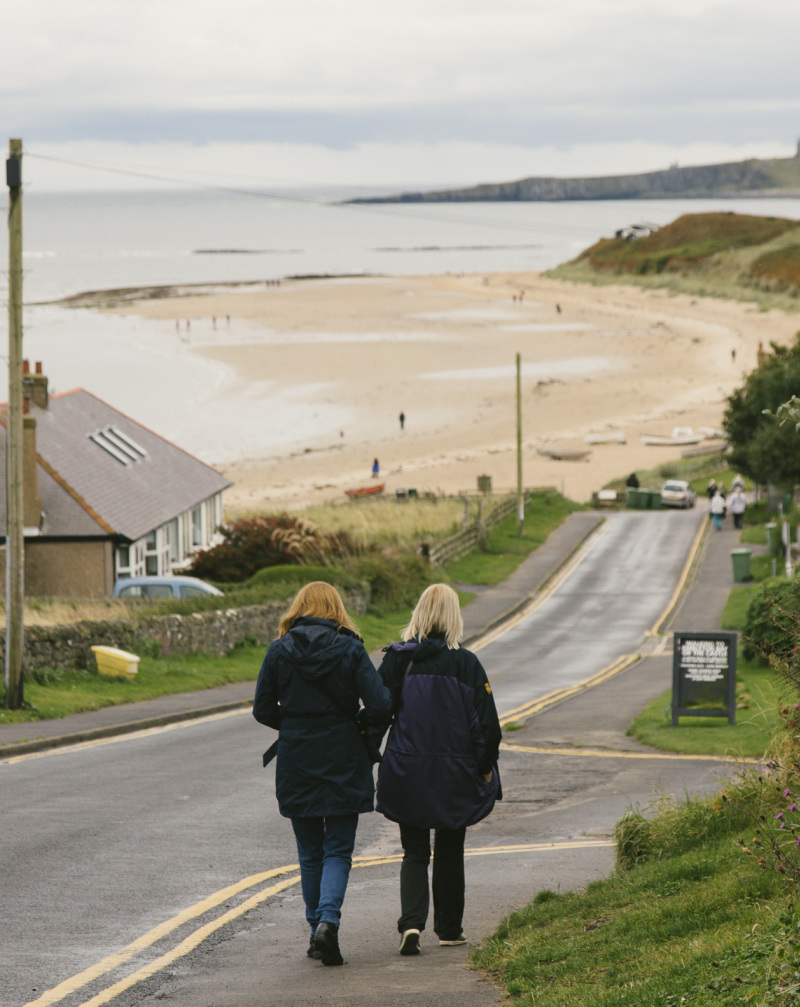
(78, 242)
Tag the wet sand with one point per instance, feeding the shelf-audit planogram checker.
(335, 362)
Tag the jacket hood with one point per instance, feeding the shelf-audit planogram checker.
(418, 650)
(317, 646)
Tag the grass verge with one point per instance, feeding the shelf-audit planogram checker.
(504, 549)
(50, 695)
(759, 693)
(689, 924)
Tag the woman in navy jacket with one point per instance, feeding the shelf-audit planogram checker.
(309, 689)
(439, 769)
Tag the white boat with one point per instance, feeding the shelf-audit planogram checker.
(611, 437)
(680, 437)
(564, 454)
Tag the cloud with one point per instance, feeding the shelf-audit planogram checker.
(367, 71)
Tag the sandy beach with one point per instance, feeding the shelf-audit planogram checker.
(333, 363)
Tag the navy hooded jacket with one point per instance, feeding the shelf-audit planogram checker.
(445, 737)
(323, 768)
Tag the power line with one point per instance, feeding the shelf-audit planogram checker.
(384, 209)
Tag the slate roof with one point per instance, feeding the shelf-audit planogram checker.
(100, 472)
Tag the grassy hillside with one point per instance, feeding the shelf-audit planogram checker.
(717, 254)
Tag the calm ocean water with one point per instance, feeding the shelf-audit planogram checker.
(80, 242)
(89, 241)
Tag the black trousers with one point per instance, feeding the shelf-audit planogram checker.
(448, 880)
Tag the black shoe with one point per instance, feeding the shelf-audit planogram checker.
(312, 950)
(409, 942)
(326, 941)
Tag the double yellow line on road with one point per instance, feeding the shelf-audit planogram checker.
(189, 943)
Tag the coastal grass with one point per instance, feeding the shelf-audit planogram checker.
(388, 522)
(691, 925)
(51, 694)
(759, 694)
(732, 256)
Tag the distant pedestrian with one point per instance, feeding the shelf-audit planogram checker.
(214, 321)
(738, 505)
(402, 421)
(738, 482)
(717, 510)
(558, 308)
(711, 489)
(733, 355)
(376, 469)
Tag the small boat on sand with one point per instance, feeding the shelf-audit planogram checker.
(373, 490)
(680, 437)
(610, 437)
(564, 454)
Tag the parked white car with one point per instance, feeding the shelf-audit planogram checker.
(676, 493)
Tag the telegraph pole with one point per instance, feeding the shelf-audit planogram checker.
(15, 610)
(520, 499)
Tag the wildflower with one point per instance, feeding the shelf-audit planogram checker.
(779, 815)
(786, 792)
(779, 867)
(792, 807)
(783, 825)
(798, 841)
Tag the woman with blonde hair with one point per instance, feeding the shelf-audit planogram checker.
(439, 769)
(309, 689)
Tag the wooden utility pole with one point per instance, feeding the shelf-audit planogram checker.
(520, 498)
(15, 610)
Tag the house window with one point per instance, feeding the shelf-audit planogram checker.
(173, 541)
(197, 527)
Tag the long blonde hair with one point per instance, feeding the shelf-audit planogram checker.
(320, 601)
(437, 614)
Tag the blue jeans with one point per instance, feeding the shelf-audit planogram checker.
(325, 848)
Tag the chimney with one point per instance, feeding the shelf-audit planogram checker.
(31, 501)
(35, 385)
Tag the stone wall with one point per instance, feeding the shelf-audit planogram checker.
(217, 632)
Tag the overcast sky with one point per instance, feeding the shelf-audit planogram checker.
(416, 92)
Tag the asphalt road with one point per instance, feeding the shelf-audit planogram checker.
(103, 843)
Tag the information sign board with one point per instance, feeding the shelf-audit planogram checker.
(704, 676)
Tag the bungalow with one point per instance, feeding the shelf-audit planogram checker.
(104, 496)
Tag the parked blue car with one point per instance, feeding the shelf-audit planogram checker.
(172, 586)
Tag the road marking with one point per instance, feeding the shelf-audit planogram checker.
(552, 586)
(146, 732)
(704, 525)
(154, 935)
(189, 943)
(551, 698)
(602, 753)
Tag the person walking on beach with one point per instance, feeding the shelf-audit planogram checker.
(717, 510)
(402, 421)
(376, 469)
(738, 505)
(309, 688)
(439, 768)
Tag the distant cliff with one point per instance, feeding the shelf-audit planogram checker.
(776, 177)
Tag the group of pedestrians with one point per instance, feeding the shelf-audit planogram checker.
(438, 770)
(720, 503)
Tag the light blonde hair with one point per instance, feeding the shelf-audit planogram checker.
(437, 614)
(320, 601)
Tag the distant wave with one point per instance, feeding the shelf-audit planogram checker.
(247, 251)
(454, 248)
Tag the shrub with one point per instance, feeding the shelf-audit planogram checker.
(250, 544)
(770, 627)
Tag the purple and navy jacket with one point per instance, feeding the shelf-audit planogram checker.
(444, 738)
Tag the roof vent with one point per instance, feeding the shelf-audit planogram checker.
(118, 444)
